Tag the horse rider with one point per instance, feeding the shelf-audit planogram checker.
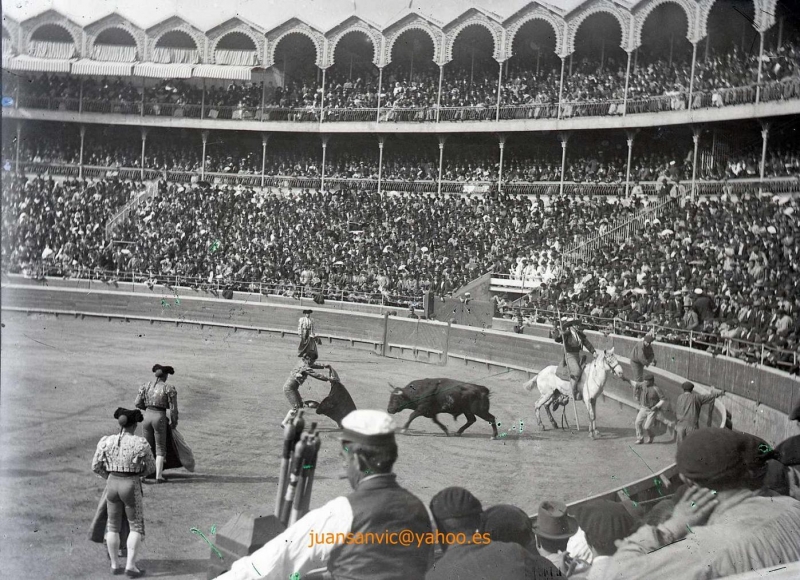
(574, 340)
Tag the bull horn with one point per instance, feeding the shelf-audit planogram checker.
(391, 386)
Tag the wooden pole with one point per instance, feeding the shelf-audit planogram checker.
(442, 139)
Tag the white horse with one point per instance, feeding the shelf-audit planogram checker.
(591, 384)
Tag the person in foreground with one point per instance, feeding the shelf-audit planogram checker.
(722, 525)
(122, 459)
(155, 398)
(480, 556)
(377, 504)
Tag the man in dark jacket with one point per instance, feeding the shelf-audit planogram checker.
(458, 515)
(336, 533)
(704, 305)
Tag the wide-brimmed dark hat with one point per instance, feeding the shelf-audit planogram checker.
(163, 370)
(308, 311)
(553, 522)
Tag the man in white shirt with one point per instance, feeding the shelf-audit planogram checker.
(335, 535)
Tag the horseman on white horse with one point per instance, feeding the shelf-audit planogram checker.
(570, 333)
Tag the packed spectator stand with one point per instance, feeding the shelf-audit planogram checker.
(591, 89)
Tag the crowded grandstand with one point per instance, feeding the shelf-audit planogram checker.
(632, 167)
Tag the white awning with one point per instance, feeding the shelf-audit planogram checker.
(227, 72)
(157, 70)
(34, 64)
(102, 68)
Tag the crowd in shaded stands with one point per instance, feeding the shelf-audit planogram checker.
(462, 86)
(467, 162)
(361, 246)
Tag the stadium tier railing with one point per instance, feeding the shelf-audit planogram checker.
(750, 94)
(777, 185)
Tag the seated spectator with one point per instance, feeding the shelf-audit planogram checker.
(456, 511)
(733, 529)
(605, 523)
(553, 528)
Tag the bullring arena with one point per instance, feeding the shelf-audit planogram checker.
(61, 372)
(449, 186)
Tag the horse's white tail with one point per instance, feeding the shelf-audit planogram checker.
(529, 385)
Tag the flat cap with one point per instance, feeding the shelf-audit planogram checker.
(716, 455)
(455, 502)
(368, 427)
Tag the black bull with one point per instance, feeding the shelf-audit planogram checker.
(337, 405)
(429, 397)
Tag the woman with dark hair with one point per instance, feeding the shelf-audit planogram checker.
(156, 397)
(122, 459)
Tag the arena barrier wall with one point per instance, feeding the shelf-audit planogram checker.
(423, 341)
(758, 398)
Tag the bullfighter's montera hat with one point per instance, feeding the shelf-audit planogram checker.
(368, 427)
(163, 370)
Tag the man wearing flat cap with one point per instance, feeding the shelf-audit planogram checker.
(722, 525)
(335, 534)
(458, 513)
(783, 474)
(687, 409)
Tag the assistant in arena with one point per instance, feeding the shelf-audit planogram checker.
(155, 397)
(377, 504)
(308, 338)
(304, 368)
(122, 459)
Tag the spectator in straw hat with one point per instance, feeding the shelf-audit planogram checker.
(553, 528)
(722, 525)
(335, 533)
(481, 555)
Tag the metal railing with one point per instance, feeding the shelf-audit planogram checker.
(618, 232)
(752, 352)
(138, 197)
(770, 91)
(783, 185)
(219, 284)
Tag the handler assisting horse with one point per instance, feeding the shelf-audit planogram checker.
(591, 384)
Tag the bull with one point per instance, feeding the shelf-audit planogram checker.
(429, 397)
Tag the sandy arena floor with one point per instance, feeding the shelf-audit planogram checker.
(63, 378)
